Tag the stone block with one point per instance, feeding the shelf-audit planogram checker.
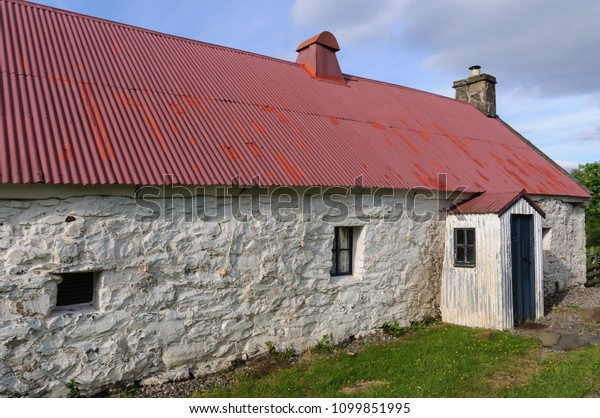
(163, 332)
(548, 338)
(182, 354)
(590, 315)
(41, 304)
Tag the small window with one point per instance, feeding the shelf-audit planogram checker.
(342, 251)
(546, 238)
(75, 289)
(464, 247)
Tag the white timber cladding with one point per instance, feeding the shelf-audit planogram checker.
(471, 296)
(481, 296)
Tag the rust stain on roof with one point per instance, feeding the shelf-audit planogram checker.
(95, 117)
(255, 150)
(67, 154)
(231, 152)
(178, 109)
(174, 129)
(302, 145)
(149, 120)
(482, 175)
(276, 112)
(376, 125)
(195, 102)
(437, 165)
(258, 127)
(406, 141)
(334, 121)
(195, 168)
(425, 135)
(294, 172)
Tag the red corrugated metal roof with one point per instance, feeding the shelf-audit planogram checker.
(88, 101)
(494, 202)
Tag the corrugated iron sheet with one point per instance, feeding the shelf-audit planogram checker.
(87, 101)
(494, 202)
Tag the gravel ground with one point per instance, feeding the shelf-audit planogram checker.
(583, 297)
(562, 315)
(562, 328)
(563, 309)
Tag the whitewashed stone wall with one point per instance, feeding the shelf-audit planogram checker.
(563, 245)
(176, 298)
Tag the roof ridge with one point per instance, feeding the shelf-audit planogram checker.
(216, 46)
(146, 30)
(401, 86)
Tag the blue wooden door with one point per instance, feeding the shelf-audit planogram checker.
(523, 268)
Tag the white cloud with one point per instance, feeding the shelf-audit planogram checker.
(567, 165)
(547, 45)
(351, 20)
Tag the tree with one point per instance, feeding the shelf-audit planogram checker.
(589, 176)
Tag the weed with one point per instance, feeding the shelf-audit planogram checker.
(289, 354)
(271, 350)
(393, 329)
(325, 344)
(285, 355)
(127, 391)
(419, 325)
(74, 391)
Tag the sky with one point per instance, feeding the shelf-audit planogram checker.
(545, 54)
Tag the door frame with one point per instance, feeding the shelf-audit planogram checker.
(523, 268)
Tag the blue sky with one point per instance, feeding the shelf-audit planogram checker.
(544, 53)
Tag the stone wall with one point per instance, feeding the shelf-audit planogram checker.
(176, 298)
(563, 244)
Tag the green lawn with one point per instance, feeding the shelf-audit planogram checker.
(437, 361)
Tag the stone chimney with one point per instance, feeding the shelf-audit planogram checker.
(317, 56)
(479, 90)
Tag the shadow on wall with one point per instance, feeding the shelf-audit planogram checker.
(556, 274)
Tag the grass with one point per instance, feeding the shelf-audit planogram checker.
(572, 375)
(436, 361)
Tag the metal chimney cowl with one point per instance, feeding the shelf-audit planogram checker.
(317, 56)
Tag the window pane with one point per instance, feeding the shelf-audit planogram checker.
(344, 238)
(460, 254)
(335, 238)
(344, 262)
(471, 254)
(334, 265)
(470, 236)
(459, 237)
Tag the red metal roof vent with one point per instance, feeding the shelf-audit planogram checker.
(317, 56)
